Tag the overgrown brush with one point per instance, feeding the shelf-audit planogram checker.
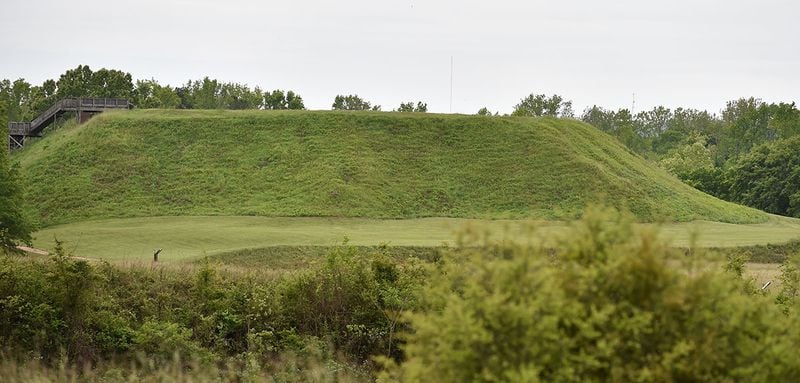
(610, 303)
(103, 315)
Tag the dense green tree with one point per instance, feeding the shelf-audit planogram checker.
(689, 159)
(680, 127)
(768, 177)
(536, 105)
(746, 124)
(277, 100)
(83, 82)
(111, 83)
(75, 82)
(654, 122)
(619, 124)
(14, 225)
(485, 112)
(18, 99)
(42, 97)
(185, 98)
(420, 107)
(213, 94)
(239, 96)
(785, 119)
(149, 94)
(352, 102)
(294, 101)
(205, 93)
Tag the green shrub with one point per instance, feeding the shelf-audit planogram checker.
(354, 298)
(163, 341)
(608, 307)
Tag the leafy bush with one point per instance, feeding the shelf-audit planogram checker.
(61, 308)
(609, 307)
(355, 299)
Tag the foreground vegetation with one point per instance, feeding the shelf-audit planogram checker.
(351, 164)
(611, 303)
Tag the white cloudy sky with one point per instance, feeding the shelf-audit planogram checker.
(675, 53)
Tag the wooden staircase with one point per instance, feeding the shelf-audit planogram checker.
(84, 108)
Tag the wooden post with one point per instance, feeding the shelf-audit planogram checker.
(155, 255)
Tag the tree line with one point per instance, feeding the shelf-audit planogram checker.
(22, 101)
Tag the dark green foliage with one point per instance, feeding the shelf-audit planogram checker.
(277, 100)
(83, 82)
(724, 156)
(15, 226)
(149, 94)
(213, 94)
(410, 107)
(352, 102)
(354, 299)
(94, 312)
(485, 112)
(619, 124)
(538, 105)
(768, 178)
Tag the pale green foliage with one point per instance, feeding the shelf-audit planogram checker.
(608, 307)
(688, 159)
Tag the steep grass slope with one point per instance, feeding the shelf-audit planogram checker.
(349, 164)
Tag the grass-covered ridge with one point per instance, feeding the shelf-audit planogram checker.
(347, 164)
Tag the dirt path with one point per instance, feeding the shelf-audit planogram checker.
(34, 250)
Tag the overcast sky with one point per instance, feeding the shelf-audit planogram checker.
(674, 53)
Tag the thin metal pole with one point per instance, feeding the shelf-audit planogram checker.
(451, 84)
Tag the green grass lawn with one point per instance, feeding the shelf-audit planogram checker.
(147, 163)
(189, 238)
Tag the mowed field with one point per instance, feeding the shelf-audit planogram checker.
(191, 238)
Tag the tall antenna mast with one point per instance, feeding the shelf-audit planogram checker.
(451, 84)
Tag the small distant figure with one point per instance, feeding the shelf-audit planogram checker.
(155, 255)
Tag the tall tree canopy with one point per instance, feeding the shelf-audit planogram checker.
(352, 102)
(536, 105)
(420, 107)
(14, 225)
